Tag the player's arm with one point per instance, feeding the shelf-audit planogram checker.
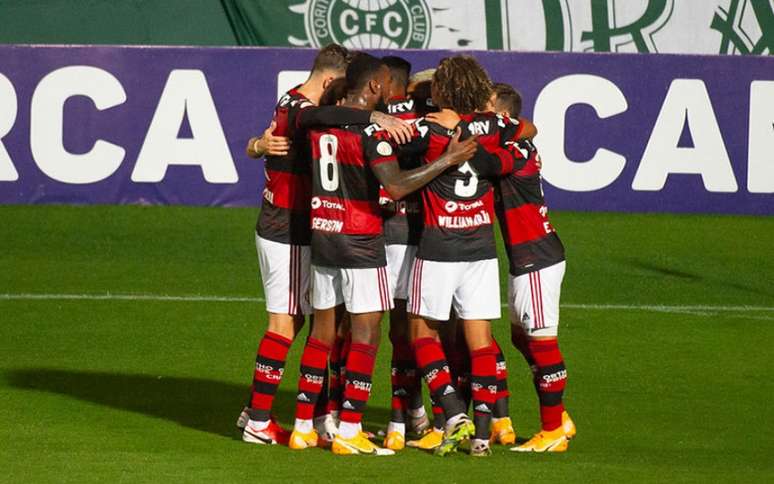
(399, 130)
(527, 130)
(268, 144)
(399, 183)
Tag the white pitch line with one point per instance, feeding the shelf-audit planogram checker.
(202, 298)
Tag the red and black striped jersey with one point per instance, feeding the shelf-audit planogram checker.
(402, 218)
(347, 226)
(284, 216)
(530, 240)
(458, 205)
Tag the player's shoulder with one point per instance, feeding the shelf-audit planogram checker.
(426, 127)
(294, 99)
(488, 123)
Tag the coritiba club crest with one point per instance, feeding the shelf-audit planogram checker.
(364, 24)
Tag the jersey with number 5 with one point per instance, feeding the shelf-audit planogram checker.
(347, 227)
(458, 205)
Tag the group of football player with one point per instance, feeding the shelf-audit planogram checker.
(381, 192)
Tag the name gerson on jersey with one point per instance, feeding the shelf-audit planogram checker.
(403, 218)
(347, 227)
(284, 216)
(458, 205)
(530, 239)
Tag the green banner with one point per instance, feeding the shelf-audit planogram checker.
(646, 26)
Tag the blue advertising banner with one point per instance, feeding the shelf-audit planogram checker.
(160, 125)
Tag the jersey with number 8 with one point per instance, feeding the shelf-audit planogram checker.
(346, 219)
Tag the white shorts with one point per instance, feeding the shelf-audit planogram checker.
(400, 258)
(360, 290)
(472, 288)
(533, 300)
(285, 276)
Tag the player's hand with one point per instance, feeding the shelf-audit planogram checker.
(445, 117)
(274, 145)
(400, 131)
(461, 151)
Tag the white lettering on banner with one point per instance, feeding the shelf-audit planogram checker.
(760, 154)
(186, 92)
(7, 119)
(550, 109)
(687, 103)
(47, 122)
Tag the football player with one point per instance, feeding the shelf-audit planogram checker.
(348, 251)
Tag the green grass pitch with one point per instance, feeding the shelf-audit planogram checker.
(667, 331)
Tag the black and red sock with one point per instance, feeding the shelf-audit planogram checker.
(550, 379)
(402, 378)
(501, 405)
(360, 368)
(431, 361)
(269, 367)
(484, 388)
(439, 419)
(314, 362)
(335, 387)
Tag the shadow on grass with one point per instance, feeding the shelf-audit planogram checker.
(207, 405)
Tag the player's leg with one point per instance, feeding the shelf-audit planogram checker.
(477, 302)
(502, 427)
(285, 278)
(537, 301)
(430, 297)
(327, 302)
(367, 296)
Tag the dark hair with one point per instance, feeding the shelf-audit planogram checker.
(331, 57)
(335, 92)
(400, 69)
(423, 103)
(507, 99)
(362, 69)
(462, 84)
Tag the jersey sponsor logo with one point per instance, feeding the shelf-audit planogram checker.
(464, 221)
(478, 127)
(452, 206)
(318, 202)
(326, 225)
(389, 24)
(483, 408)
(402, 107)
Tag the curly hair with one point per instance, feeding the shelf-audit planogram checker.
(462, 84)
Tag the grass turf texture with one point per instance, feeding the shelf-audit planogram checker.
(147, 391)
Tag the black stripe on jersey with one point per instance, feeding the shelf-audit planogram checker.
(514, 191)
(283, 225)
(535, 255)
(353, 184)
(457, 246)
(348, 251)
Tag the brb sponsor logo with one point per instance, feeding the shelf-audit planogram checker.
(356, 24)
